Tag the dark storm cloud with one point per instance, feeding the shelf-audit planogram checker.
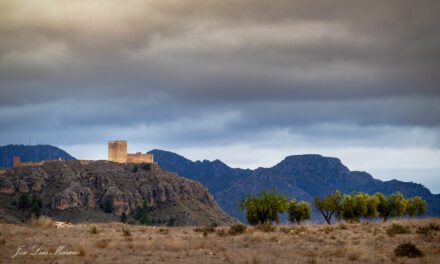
(219, 50)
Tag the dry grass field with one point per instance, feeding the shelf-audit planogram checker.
(309, 243)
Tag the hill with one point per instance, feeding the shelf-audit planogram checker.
(31, 153)
(300, 176)
(76, 191)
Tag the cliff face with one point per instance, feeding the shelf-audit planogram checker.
(76, 192)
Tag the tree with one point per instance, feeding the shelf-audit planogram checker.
(141, 213)
(354, 206)
(264, 208)
(416, 206)
(36, 205)
(372, 204)
(397, 204)
(392, 206)
(108, 206)
(329, 206)
(298, 211)
(123, 217)
(23, 201)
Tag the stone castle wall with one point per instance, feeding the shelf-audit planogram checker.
(139, 158)
(16, 162)
(117, 151)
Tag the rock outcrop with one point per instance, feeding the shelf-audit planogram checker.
(79, 192)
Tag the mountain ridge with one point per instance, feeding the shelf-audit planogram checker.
(298, 176)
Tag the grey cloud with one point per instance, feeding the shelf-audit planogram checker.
(219, 50)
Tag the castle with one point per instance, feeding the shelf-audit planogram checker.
(117, 152)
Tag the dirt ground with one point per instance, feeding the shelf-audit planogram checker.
(43, 242)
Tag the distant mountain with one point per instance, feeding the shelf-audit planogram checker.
(301, 177)
(31, 153)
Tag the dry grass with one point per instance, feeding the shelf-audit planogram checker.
(42, 222)
(339, 243)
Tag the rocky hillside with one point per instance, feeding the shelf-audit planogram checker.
(301, 177)
(31, 153)
(76, 192)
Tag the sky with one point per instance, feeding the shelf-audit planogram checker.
(247, 82)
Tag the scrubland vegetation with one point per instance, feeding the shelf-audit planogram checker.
(402, 241)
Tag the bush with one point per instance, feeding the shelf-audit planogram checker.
(396, 229)
(123, 217)
(221, 233)
(108, 206)
(407, 250)
(237, 229)
(42, 222)
(171, 221)
(146, 166)
(93, 230)
(205, 229)
(265, 228)
(135, 169)
(141, 213)
(126, 232)
(23, 201)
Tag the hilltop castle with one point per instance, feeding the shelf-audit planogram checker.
(117, 152)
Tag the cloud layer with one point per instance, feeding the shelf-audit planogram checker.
(276, 76)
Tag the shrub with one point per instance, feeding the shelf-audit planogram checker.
(407, 250)
(93, 230)
(396, 229)
(141, 213)
(298, 212)
(237, 229)
(221, 233)
(123, 217)
(23, 201)
(285, 230)
(135, 169)
(171, 221)
(42, 222)
(265, 228)
(108, 206)
(126, 232)
(264, 208)
(146, 166)
(163, 231)
(207, 229)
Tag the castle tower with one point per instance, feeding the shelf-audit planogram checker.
(117, 151)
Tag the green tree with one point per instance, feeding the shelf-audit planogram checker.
(141, 213)
(392, 206)
(329, 206)
(36, 205)
(264, 208)
(108, 206)
(416, 206)
(23, 201)
(298, 211)
(372, 204)
(397, 204)
(123, 217)
(354, 206)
